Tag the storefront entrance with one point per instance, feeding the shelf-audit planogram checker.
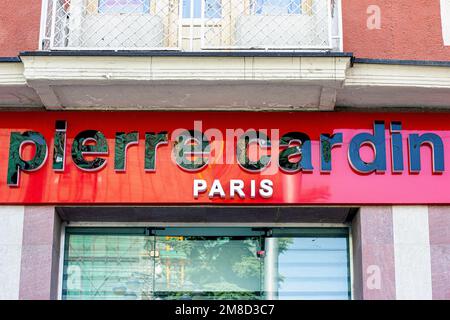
(206, 263)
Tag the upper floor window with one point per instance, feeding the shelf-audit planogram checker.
(445, 17)
(213, 24)
(276, 7)
(193, 9)
(124, 6)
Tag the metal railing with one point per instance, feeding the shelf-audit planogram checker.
(190, 25)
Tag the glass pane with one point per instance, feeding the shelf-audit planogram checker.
(208, 268)
(276, 7)
(108, 267)
(213, 9)
(206, 263)
(124, 6)
(313, 268)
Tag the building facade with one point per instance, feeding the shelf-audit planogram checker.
(225, 149)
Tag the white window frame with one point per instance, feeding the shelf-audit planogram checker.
(43, 25)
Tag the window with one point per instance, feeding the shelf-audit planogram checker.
(213, 9)
(124, 6)
(206, 263)
(276, 7)
(445, 18)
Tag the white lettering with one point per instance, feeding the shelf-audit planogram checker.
(266, 188)
(200, 186)
(238, 189)
(237, 186)
(216, 189)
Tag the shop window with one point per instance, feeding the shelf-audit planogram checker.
(193, 9)
(124, 6)
(445, 18)
(206, 263)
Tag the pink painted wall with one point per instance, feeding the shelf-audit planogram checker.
(19, 26)
(373, 254)
(40, 254)
(410, 29)
(439, 222)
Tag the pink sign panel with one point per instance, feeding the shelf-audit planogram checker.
(224, 158)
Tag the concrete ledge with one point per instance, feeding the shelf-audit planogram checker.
(12, 73)
(145, 68)
(220, 81)
(399, 75)
(179, 82)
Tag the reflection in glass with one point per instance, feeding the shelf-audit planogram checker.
(198, 267)
(213, 9)
(206, 263)
(124, 6)
(314, 268)
(276, 7)
(108, 267)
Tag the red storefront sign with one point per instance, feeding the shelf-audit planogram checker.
(235, 158)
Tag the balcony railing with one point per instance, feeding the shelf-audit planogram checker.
(191, 25)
